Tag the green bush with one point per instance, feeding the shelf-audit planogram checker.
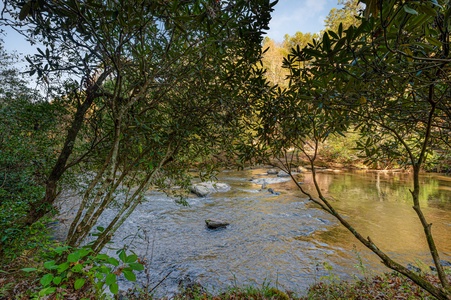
(81, 273)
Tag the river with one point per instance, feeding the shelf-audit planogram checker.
(284, 240)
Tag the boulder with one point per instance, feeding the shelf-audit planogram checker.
(206, 188)
(283, 174)
(272, 172)
(214, 223)
(301, 169)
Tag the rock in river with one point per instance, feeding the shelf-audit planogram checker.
(214, 224)
(203, 189)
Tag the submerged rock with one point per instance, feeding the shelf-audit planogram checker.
(267, 181)
(272, 172)
(273, 192)
(283, 174)
(214, 223)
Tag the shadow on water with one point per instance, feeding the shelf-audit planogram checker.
(283, 239)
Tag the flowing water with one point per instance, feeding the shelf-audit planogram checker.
(284, 239)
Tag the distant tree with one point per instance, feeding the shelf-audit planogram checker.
(345, 15)
(26, 154)
(272, 59)
(298, 39)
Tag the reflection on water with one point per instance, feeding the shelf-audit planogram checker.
(285, 239)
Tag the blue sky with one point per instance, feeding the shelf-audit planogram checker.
(291, 16)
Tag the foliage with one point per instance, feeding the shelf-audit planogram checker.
(72, 270)
(340, 148)
(298, 39)
(197, 292)
(347, 15)
(388, 77)
(155, 86)
(273, 54)
(386, 286)
(28, 138)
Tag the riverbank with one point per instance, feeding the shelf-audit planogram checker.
(280, 238)
(17, 284)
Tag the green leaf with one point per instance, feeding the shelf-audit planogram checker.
(50, 265)
(129, 275)
(63, 267)
(77, 268)
(46, 279)
(25, 11)
(326, 42)
(131, 258)
(110, 279)
(47, 291)
(57, 280)
(122, 255)
(410, 10)
(136, 266)
(60, 250)
(28, 270)
(73, 257)
(113, 261)
(83, 252)
(79, 283)
(114, 288)
(433, 41)
(102, 257)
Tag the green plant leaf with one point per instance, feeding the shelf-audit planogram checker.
(136, 266)
(46, 279)
(29, 269)
(113, 261)
(47, 291)
(131, 258)
(50, 265)
(57, 280)
(60, 250)
(110, 279)
(63, 267)
(410, 10)
(79, 283)
(129, 275)
(73, 257)
(77, 268)
(122, 255)
(102, 257)
(114, 288)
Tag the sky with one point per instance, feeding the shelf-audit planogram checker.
(291, 16)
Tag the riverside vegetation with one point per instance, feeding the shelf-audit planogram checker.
(138, 92)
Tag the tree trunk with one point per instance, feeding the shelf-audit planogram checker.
(39, 209)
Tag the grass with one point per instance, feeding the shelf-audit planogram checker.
(385, 286)
(17, 285)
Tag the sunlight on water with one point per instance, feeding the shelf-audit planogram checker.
(283, 239)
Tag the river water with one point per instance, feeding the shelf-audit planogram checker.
(284, 240)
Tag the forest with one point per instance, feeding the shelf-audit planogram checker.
(143, 95)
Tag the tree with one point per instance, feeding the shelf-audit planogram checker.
(155, 85)
(389, 77)
(26, 122)
(298, 39)
(345, 15)
(273, 55)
